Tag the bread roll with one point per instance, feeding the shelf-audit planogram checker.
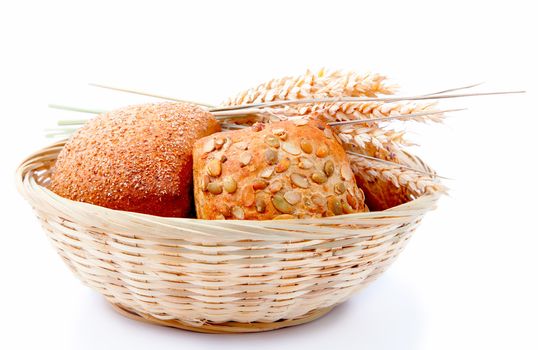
(281, 170)
(381, 193)
(137, 159)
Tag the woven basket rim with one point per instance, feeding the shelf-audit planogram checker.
(34, 192)
(262, 274)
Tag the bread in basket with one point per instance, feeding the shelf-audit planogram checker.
(219, 276)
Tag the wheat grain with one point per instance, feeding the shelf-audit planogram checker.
(384, 139)
(313, 85)
(332, 84)
(372, 171)
(344, 111)
(371, 110)
(337, 84)
(377, 143)
(414, 183)
(407, 181)
(370, 140)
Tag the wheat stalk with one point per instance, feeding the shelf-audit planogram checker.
(325, 84)
(378, 137)
(385, 99)
(312, 85)
(416, 182)
(342, 111)
(403, 117)
(337, 84)
(334, 84)
(369, 141)
(376, 153)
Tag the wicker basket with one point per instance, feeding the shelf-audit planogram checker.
(218, 276)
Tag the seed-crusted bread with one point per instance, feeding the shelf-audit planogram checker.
(137, 159)
(282, 170)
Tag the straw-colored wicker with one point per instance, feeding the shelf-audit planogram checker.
(218, 276)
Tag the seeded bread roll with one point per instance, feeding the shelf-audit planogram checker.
(282, 170)
(137, 159)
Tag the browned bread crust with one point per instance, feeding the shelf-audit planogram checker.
(137, 159)
(281, 170)
(381, 193)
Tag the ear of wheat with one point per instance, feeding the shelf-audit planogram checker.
(333, 84)
(339, 84)
(315, 84)
(357, 106)
(395, 184)
(363, 139)
(376, 151)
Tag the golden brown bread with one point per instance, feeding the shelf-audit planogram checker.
(281, 170)
(380, 192)
(137, 159)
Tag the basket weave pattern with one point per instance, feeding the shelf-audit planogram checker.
(218, 276)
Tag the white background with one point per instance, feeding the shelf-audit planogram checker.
(468, 278)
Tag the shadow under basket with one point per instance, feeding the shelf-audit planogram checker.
(231, 276)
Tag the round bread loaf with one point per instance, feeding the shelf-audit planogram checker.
(136, 159)
(282, 170)
(381, 193)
